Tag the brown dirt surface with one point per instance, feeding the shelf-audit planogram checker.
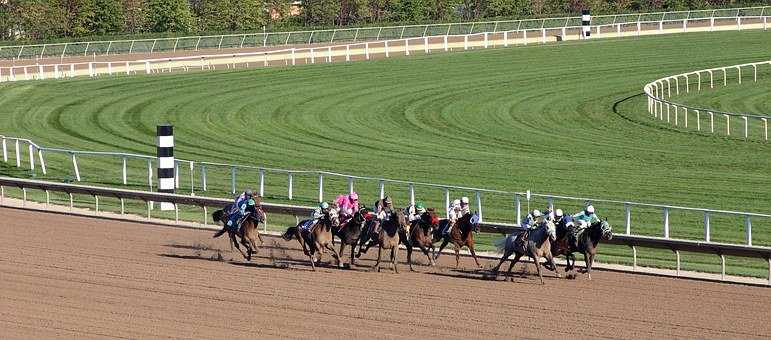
(76, 277)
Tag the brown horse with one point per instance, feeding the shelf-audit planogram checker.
(386, 238)
(318, 239)
(247, 232)
(587, 244)
(420, 236)
(461, 235)
(535, 243)
(350, 232)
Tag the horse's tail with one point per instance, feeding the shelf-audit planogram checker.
(217, 215)
(500, 243)
(289, 233)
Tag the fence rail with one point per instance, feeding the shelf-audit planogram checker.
(331, 36)
(199, 171)
(632, 241)
(659, 96)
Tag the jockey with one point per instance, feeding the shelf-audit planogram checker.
(238, 209)
(383, 208)
(532, 219)
(415, 211)
(464, 208)
(581, 221)
(454, 212)
(316, 215)
(348, 205)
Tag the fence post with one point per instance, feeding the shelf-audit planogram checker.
(382, 189)
(727, 125)
(666, 222)
(90, 69)
(746, 128)
(425, 45)
(628, 218)
(446, 48)
(75, 166)
(711, 122)
(479, 205)
(262, 182)
(5, 151)
(149, 174)
(366, 50)
(203, 177)
(706, 226)
(125, 177)
(290, 186)
(485, 39)
(765, 128)
(506, 39)
(748, 230)
(31, 157)
(685, 117)
(698, 121)
(518, 207)
(386, 48)
(675, 114)
(329, 54)
(347, 52)
(42, 161)
(147, 67)
(465, 42)
(232, 179)
(406, 46)
(321, 187)
(524, 37)
(18, 155)
(293, 58)
(447, 202)
(313, 57)
(350, 185)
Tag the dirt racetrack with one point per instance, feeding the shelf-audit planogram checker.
(75, 277)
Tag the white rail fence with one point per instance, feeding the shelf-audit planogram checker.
(660, 92)
(356, 51)
(516, 203)
(331, 36)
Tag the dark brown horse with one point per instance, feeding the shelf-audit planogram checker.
(247, 232)
(420, 235)
(350, 232)
(461, 235)
(318, 239)
(535, 243)
(386, 238)
(587, 244)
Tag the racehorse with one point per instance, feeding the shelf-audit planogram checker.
(461, 235)
(535, 243)
(350, 232)
(247, 232)
(386, 238)
(318, 238)
(420, 236)
(588, 241)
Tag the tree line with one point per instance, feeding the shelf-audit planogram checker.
(52, 19)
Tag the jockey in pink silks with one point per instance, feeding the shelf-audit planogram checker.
(348, 205)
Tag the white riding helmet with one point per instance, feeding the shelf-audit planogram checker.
(456, 202)
(590, 209)
(464, 200)
(558, 213)
(537, 213)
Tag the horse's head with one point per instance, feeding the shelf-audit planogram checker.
(359, 217)
(398, 217)
(259, 215)
(606, 230)
(551, 229)
(332, 217)
(473, 221)
(429, 218)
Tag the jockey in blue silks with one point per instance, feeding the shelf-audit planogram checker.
(238, 209)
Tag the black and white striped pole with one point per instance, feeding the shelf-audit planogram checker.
(586, 21)
(165, 134)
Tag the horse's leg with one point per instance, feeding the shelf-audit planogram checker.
(511, 266)
(259, 237)
(342, 248)
(334, 253)
(377, 264)
(235, 242)
(367, 244)
(441, 247)
(474, 255)
(550, 259)
(457, 255)
(394, 253)
(537, 265)
(320, 251)
(506, 254)
(353, 258)
(589, 260)
(425, 252)
(409, 256)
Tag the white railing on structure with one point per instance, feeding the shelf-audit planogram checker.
(633, 241)
(343, 52)
(659, 94)
(201, 168)
(330, 36)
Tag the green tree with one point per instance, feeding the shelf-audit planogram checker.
(169, 16)
(321, 12)
(230, 15)
(36, 19)
(109, 17)
(134, 14)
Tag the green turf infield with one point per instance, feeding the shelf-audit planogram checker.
(565, 119)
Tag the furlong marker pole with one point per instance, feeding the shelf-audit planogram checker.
(165, 134)
(586, 20)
